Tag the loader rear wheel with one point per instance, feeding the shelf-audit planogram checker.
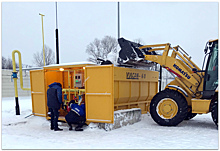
(215, 113)
(168, 108)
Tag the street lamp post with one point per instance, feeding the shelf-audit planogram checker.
(118, 20)
(43, 36)
(57, 39)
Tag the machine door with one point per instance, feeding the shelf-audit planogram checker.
(38, 93)
(99, 94)
(211, 80)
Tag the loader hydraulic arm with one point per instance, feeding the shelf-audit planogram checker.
(174, 59)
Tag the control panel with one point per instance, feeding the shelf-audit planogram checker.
(78, 80)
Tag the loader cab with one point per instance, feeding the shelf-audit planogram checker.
(211, 69)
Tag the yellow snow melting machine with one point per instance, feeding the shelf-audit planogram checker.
(104, 88)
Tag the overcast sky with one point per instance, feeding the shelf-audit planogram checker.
(188, 24)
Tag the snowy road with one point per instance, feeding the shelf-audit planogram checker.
(34, 133)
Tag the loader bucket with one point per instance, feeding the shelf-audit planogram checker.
(130, 52)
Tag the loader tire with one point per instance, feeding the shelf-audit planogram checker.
(190, 115)
(215, 113)
(168, 108)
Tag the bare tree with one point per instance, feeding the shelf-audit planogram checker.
(4, 61)
(49, 57)
(109, 45)
(94, 49)
(7, 63)
(101, 48)
(139, 41)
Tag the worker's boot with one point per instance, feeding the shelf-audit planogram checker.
(51, 127)
(78, 128)
(58, 129)
(70, 126)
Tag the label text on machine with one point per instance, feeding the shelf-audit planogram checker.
(133, 75)
(181, 71)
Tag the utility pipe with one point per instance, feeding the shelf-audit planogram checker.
(74, 79)
(73, 90)
(69, 83)
(20, 68)
(17, 109)
(15, 77)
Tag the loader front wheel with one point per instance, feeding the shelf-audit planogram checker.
(190, 115)
(168, 108)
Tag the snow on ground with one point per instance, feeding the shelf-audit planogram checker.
(33, 132)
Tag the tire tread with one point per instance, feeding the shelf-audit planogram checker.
(180, 100)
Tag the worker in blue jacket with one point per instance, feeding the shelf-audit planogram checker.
(76, 115)
(54, 102)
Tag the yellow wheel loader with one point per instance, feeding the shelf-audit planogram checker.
(194, 90)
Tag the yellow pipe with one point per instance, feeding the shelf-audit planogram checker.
(20, 70)
(14, 72)
(64, 90)
(43, 37)
(69, 83)
(73, 90)
(15, 85)
(74, 79)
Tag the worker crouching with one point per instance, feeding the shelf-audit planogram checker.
(76, 115)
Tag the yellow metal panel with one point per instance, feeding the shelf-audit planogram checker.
(99, 108)
(133, 87)
(39, 104)
(124, 92)
(99, 94)
(99, 79)
(144, 91)
(128, 74)
(134, 91)
(38, 92)
(65, 81)
(116, 94)
(200, 106)
(153, 87)
(53, 76)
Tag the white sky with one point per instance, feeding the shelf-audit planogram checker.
(188, 24)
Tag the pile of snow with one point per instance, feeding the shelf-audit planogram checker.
(33, 132)
(123, 118)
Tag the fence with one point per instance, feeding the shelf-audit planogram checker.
(8, 84)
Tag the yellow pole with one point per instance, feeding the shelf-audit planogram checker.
(43, 36)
